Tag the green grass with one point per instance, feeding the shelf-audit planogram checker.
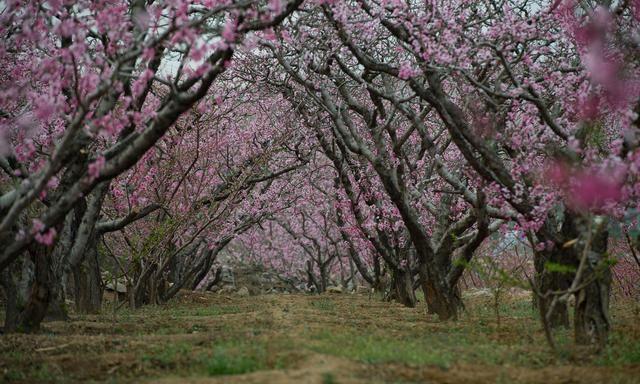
(227, 357)
(168, 356)
(329, 378)
(472, 341)
(620, 351)
(518, 309)
(375, 349)
(213, 310)
(437, 348)
(228, 362)
(323, 304)
(367, 331)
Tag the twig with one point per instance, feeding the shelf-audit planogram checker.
(48, 349)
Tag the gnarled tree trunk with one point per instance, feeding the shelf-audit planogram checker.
(591, 319)
(556, 279)
(401, 288)
(35, 309)
(442, 300)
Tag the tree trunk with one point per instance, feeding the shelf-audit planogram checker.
(58, 309)
(442, 300)
(324, 276)
(311, 279)
(547, 282)
(591, 320)
(35, 309)
(556, 280)
(11, 299)
(88, 282)
(402, 288)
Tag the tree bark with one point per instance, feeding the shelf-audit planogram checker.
(311, 279)
(402, 288)
(35, 309)
(442, 300)
(549, 280)
(591, 319)
(88, 281)
(11, 299)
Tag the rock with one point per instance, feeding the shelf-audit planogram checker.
(361, 289)
(475, 292)
(226, 289)
(520, 294)
(119, 286)
(334, 289)
(243, 292)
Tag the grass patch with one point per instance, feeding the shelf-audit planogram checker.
(191, 340)
(323, 304)
(225, 362)
(441, 349)
(375, 349)
(329, 378)
(231, 357)
(212, 310)
(621, 350)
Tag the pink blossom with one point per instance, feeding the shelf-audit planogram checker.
(229, 31)
(587, 190)
(47, 237)
(269, 34)
(593, 191)
(95, 167)
(275, 6)
(407, 71)
(141, 82)
(45, 107)
(37, 226)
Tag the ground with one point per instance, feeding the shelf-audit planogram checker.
(340, 338)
